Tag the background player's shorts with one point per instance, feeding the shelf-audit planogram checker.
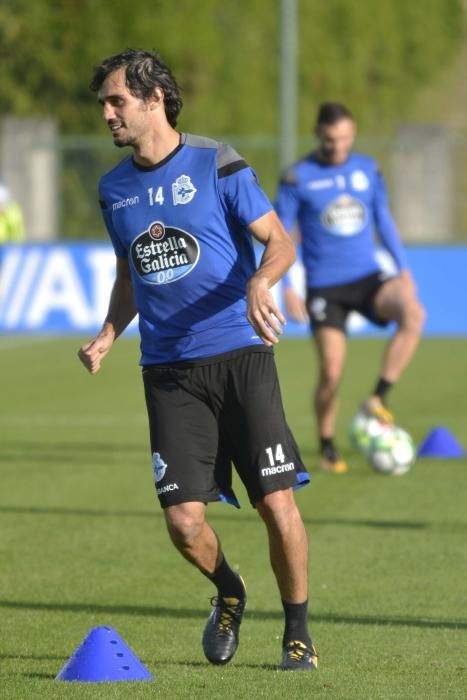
(330, 306)
(206, 414)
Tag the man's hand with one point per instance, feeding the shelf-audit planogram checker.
(295, 306)
(263, 313)
(91, 354)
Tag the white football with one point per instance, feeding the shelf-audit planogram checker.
(392, 451)
(363, 428)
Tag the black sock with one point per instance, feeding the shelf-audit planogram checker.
(327, 447)
(381, 389)
(227, 581)
(296, 623)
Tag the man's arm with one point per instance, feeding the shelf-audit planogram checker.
(385, 224)
(121, 312)
(287, 205)
(389, 234)
(278, 256)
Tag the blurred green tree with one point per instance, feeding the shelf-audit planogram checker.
(225, 56)
(374, 56)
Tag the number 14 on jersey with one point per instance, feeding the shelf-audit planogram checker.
(157, 197)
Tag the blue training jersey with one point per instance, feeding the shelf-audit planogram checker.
(338, 209)
(182, 224)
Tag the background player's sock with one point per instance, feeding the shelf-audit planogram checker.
(381, 389)
(296, 623)
(227, 581)
(328, 448)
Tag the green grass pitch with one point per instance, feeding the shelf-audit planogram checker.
(82, 541)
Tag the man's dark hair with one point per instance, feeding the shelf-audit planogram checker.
(330, 113)
(144, 72)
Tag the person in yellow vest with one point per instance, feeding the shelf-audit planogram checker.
(11, 218)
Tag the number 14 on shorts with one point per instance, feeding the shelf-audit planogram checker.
(275, 454)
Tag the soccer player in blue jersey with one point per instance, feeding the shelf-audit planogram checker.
(181, 212)
(338, 199)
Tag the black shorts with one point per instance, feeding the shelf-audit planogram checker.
(330, 306)
(207, 414)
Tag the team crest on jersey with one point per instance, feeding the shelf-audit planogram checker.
(183, 190)
(359, 181)
(160, 467)
(164, 254)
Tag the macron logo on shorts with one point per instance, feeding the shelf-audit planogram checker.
(270, 471)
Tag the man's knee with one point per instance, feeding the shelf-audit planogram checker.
(413, 317)
(329, 377)
(277, 505)
(184, 522)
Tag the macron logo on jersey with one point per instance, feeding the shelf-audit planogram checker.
(128, 202)
(320, 184)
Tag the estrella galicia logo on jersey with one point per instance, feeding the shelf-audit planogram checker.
(159, 465)
(164, 254)
(157, 231)
(183, 190)
(344, 216)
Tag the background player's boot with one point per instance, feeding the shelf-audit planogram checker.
(331, 461)
(221, 634)
(373, 407)
(297, 656)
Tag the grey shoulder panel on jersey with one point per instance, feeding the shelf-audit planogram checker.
(199, 141)
(226, 155)
(289, 176)
(228, 161)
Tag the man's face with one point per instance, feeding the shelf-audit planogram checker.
(336, 140)
(127, 116)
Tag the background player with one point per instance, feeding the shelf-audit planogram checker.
(181, 212)
(11, 218)
(338, 198)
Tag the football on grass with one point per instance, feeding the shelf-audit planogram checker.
(363, 429)
(392, 451)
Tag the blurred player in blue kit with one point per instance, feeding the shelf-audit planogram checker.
(181, 212)
(338, 199)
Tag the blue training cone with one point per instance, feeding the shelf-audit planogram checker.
(440, 443)
(103, 656)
